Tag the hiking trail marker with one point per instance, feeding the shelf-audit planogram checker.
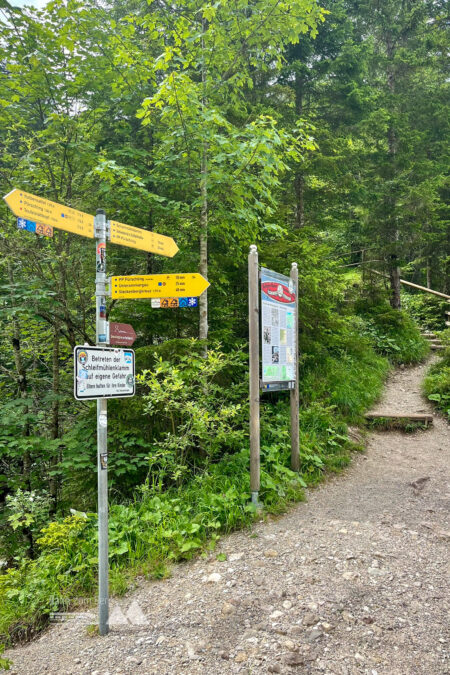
(158, 286)
(36, 209)
(120, 334)
(102, 372)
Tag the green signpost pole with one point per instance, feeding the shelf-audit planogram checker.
(102, 429)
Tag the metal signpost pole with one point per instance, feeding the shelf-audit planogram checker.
(253, 322)
(295, 430)
(102, 430)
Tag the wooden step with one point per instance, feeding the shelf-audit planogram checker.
(414, 417)
(433, 346)
(428, 335)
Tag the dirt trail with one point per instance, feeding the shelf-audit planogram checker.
(355, 581)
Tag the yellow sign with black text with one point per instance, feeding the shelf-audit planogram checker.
(158, 286)
(40, 210)
(135, 237)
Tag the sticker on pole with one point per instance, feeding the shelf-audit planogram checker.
(102, 372)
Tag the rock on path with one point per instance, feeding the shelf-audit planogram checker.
(356, 581)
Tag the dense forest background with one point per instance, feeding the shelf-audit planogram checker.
(318, 132)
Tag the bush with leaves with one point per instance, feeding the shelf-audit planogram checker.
(393, 333)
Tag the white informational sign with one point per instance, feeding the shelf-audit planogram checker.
(278, 307)
(102, 372)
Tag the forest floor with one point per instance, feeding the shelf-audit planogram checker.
(355, 581)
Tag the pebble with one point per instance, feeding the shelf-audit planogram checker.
(214, 578)
(274, 668)
(276, 614)
(271, 553)
(241, 657)
(310, 619)
(228, 608)
(287, 604)
(313, 635)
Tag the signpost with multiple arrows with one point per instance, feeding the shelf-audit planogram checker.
(40, 215)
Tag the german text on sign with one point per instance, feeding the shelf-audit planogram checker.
(102, 372)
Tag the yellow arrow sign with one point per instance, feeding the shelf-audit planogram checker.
(158, 286)
(144, 240)
(28, 206)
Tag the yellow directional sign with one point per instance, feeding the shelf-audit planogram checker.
(135, 237)
(158, 286)
(39, 210)
(28, 206)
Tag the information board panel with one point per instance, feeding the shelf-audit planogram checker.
(102, 372)
(278, 307)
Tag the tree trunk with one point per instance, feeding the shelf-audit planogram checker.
(394, 275)
(299, 221)
(54, 420)
(203, 267)
(21, 380)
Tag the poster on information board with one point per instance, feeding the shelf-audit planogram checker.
(278, 308)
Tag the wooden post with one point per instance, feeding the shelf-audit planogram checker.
(295, 430)
(253, 325)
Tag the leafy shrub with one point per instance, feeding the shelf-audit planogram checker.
(393, 334)
(427, 310)
(437, 383)
(26, 513)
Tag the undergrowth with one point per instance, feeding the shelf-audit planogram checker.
(436, 385)
(197, 480)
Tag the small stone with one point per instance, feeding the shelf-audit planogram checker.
(367, 620)
(228, 608)
(276, 614)
(224, 655)
(313, 635)
(271, 553)
(376, 572)
(327, 627)
(358, 657)
(310, 619)
(294, 659)
(160, 639)
(348, 618)
(289, 645)
(241, 657)
(287, 604)
(296, 630)
(274, 668)
(343, 531)
(214, 578)
(236, 556)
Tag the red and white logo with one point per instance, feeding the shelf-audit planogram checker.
(278, 292)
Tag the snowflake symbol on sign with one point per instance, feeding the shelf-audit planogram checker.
(192, 302)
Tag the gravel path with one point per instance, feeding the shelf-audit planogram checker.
(354, 581)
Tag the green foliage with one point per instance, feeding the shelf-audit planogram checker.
(427, 310)
(200, 401)
(437, 382)
(394, 334)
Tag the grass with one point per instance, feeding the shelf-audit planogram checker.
(398, 424)
(436, 386)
